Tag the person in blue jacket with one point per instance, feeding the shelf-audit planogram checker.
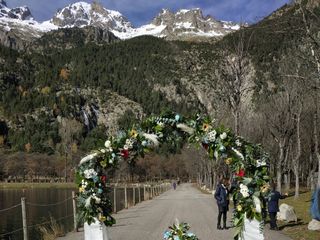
(273, 206)
(315, 205)
(222, 197)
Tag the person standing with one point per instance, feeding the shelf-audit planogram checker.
(273, 206)
(222, 197)
(174, 185)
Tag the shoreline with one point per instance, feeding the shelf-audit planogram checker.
(4, 185)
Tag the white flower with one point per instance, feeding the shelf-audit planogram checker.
(97, 199)
(125, 147)
(261, 163)
(107, 144)
(129, 144)
(244, 190)
(88, 202)
(185, 128)
(88, 158)
(90, 173)
(257, 204)
(238, 153)
(152, 137)
(212, 136)
(161, 124)
(109, 149)
(103, 150)
(223, 136)
(238, 143)
(84, 183)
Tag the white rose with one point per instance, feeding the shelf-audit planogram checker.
(244, 190)
(125, 147)
(223, 136)
(107, 144)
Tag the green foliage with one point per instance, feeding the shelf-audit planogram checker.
(180, 232)
(248, 162)
(138, 69)
(95, 139)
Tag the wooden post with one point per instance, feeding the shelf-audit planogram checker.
(74, 204)
(24, 218)
(115, 198)
(144, 192)
(133, 195)
(125, 197)
(139, 192)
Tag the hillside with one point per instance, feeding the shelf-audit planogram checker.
(90, 76)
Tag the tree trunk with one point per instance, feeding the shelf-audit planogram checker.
(237, 122)
(298, 154)
(287, 181)
(296, 174)
(279, 163)
(312, 171)
(288, 164)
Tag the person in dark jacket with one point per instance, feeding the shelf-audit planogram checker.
(273, 206)
(222, 197)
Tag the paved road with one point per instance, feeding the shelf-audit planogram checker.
(148, 220)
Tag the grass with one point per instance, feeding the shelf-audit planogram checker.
(52, 231)
(299, 230)
(36, 185)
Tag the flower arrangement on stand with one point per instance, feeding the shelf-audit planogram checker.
(247, 161)
(179, 232)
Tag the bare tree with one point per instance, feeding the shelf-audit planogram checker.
(314, 46)
(234, 83)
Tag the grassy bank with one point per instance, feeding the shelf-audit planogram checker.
(36, 185)
(299, 230)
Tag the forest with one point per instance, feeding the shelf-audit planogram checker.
(262, 81)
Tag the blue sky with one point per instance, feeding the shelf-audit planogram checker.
(142, 11)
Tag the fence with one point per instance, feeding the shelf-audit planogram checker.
(122, 196)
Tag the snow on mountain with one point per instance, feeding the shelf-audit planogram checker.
(83, 14)
(20, 13)
(183, 23)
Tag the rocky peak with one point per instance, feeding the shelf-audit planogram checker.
(165, 16)
(190, 22)
(21, 13)
(83, 14)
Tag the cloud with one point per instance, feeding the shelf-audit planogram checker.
(142, 11)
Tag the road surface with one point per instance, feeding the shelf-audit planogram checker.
(148, 220)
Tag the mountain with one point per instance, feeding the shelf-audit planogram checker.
(18, 28)
(20, 13)
(98, 87)
(184, 24)
(83, 14)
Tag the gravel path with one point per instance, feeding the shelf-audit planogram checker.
(148, 220)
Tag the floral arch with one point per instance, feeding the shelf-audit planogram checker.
(248, 162)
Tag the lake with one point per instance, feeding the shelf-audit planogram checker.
(38, 210)
(41, 203)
